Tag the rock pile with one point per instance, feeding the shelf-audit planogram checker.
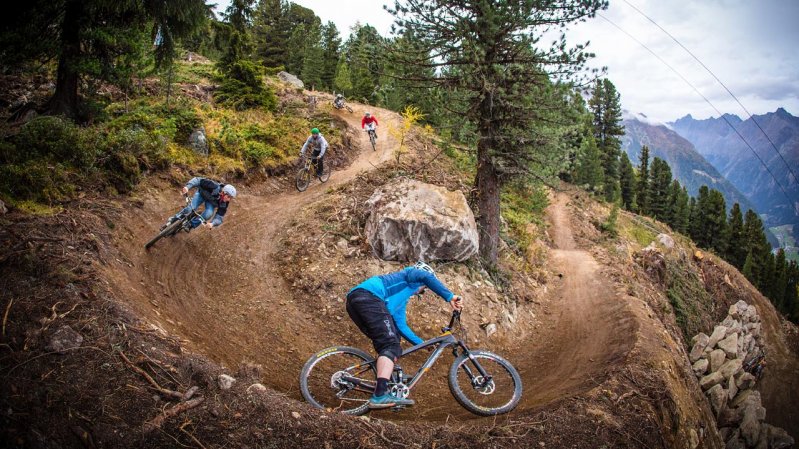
(718, 361)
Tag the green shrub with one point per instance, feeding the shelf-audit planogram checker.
(243, 88)
(56, 139)
(175, 123)
(37, 180)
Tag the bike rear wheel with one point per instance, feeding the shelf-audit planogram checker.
(169, 230)
(303, 179)
(499, 395)
(339, 379)
(325, 172)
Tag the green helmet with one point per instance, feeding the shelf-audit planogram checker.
(315, 131)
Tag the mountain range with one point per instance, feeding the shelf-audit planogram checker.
(774, 191)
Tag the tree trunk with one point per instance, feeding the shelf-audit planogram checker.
(488, 204)
(65, 99)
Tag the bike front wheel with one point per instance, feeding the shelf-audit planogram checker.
(485, 396)
(349, 109)
(169, 230)
(372, 140)
(325, 175)
(339, 379)
(303, 179)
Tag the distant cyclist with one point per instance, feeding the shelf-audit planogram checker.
(369, 122)
(377, 306)
(339, 101)
(319, 145)
(215, 198)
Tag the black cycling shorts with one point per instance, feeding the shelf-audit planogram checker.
(371, 316)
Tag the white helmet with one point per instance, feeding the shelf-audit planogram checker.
(229, 190)
(368, 114)
(423, 266)
(339, 96)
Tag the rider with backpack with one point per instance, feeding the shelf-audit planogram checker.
(213, 195)
(377, 306)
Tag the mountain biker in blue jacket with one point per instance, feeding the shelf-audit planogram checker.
(377, 306)
(319, 145)
(213, 195)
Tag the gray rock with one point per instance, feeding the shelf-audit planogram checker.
(737, 309)
(746, 381)
(699, 336)
(700, 367)
(734, 327)
(64, 339)
(730, 417)
(778, 438)
(198, 142)
(717, 397)
(755, 331)
(693, 439)
(700, 344)
(730, 346)
(710, 380)
(719, 332)
(730, 368)
(717, 358)
(732, 387)
(750, 429)
(491, 329)
(226, 382)
(3, 208)
(666, 240)
(746, 396)
(410, 220)
(287, 77)
(726, 432)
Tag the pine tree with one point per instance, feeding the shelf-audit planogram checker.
(343, 82)
(642, 196)
(673, 203)
(589, 166)
(659, 189)
(331, 43)
(605, 104)
(270, 32)
(780, 282)
(697, 229)
(758, 248)
(736, 250)
(627, 183)
(791, 299)
(312, 58)
(504, 82)
(716, 222)
(682, 212)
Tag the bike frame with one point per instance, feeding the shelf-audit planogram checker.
(445, 340)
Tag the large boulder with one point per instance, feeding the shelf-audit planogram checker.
(287, 77)
(410, 220)
(198, 142)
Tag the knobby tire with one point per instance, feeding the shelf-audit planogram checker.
(507, 384)
(303, 179)
(317, 380)
(372, 140)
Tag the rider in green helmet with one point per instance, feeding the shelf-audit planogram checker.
(318, 146)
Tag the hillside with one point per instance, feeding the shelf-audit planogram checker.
(582, 315)
(724, 149)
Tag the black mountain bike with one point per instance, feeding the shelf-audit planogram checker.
(308, 171)
(372, 138)
(343, 379)
(176, 226)
(342, 105)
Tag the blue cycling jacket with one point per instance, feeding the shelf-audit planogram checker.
(395, 289)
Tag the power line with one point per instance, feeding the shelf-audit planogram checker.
(795, 178)
(706, 100)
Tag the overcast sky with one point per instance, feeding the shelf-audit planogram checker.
(750, 46)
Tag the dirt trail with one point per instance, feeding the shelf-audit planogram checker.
(588, 328)
(219, 291)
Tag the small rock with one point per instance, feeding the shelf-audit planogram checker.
(226, 382)
(745, 381)
(718, 398)
(778, 438)
(732, 387)
(256, 388)
(295, 415)
(699, 348)
(666, 240)
(719, 332)
(710, 380)
(198, 142)
(64, 339)
(694, 439)
(3, 208)
(491, 329)
(700, 367)
(730, 346)
(717, 358)
(730, 368)
(730, 417)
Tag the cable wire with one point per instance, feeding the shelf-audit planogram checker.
(707, 101)
(795, 178)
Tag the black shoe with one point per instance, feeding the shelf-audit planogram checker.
(187, 226)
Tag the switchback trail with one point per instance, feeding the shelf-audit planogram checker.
(221, 293)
